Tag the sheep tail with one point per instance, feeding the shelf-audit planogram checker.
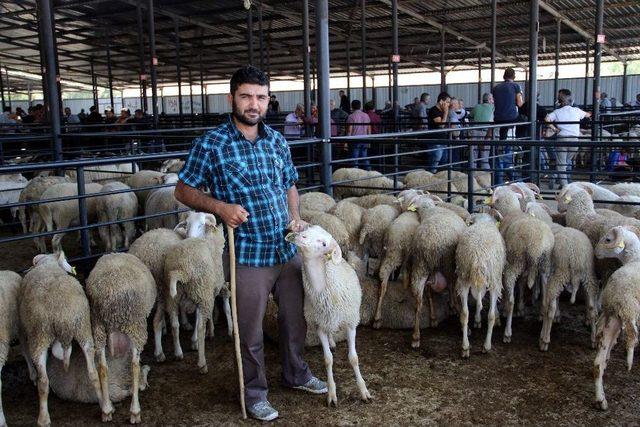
(363, 235)
(45, 213)
(110, 344)
(173, 284)
(22, 214)
(476, 277)
(62, 353)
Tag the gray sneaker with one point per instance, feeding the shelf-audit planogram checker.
(314, 385)
(263, 411)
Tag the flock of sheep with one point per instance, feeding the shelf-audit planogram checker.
(437, 247)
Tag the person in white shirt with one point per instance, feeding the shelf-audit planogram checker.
(566, 122)
(293, 122)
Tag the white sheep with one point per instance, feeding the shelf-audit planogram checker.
(480, 261)
(63, 214)
(423, 180)
(316, 201)
(375, 222)
(622, 188)
(374, 182)
(172, 166)
(122, 293)
(433, 256)
(601, 195)
(10, 189)
(193, 274)
(116, 207)
(54, 311)
(9, 293)
(106, 172)
(351, 216)
(31, 193)
(620, 302)
(145, 178)
(163, 200)
(332, 298)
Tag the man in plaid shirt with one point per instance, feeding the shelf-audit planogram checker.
(248, 168)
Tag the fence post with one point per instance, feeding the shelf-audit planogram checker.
(82, 211)
(470, 180)
(449, 161)
(396, 164)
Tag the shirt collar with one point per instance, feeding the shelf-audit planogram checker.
(262, 128)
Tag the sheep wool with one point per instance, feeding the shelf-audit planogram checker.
(316, 201)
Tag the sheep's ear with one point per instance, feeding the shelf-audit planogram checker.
(181, 229)
(587, 189)
(210, 219)
(496, 214)
(38, 258)
(634, 230)
(62, 262)
(533, 187)
(435, 198)
(336, 252)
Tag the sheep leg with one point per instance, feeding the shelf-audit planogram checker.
(90, 357)
(332, 397)
(353, 359)
(33, 375)
(418, 290)
(175, 332)
(135, 386)
(227, 312)
(210, 329)
(194, 334)
(464, 319)
(114, 232)
(200, 327)
(520, 306)
(477, 321)
(103, 375)
(184, 319)
(591, 315)
(158, 324)
(104, 234)
(377, 318)
(631, 330)
(491, 318)
(56, 242)
(510, 277)
(610, 332)
(433, 319)
(545, 337)
(129, 233)
(3, 421)
(43, 389)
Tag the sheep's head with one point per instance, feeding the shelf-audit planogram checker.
(315, 242)
(171, 165)
(170, 178)
(493, 217)
(570, 194)
(505, 200)
(406, 197)
(426, 201)
(58, 258)
(614, 243)
(197, 224)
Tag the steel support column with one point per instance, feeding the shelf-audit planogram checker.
(46, 28)
(261, 35)
(305, 61)
(348, 53)
(363, 48)
(597, 57)
(94, 84)
(396, 51)
(556, 76)
(443, 76)
(154, 64)
(203, 95)
(494, 29)
(6, 74)
(178, 68)
(534, 27)
(324, 119)
(2, 89)
(586, 77)
(479, 76)
(109, 72)
(143, 72)
(625, 82)
(191, 95)
(250, 35)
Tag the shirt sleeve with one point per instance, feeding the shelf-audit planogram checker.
(582, 113)
(197, 169)
(518, 88)
(552, 117)
(289, 172)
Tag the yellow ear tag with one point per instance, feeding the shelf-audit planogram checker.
(73, 271)
(539, 196)
(621, 244)
(411, 207)
(328, 256)
(488, 200)
(498, 224)
(532, 214)
(567, 199)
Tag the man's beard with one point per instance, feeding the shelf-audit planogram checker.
(240, 115)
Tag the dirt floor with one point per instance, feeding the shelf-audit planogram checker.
(514, 384)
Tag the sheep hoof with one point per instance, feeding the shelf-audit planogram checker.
(44, 421)
(107, 416)
(544, 346)
(203, 369)
(160, 357)
(477, 325)
(486, 350)
(194, 345)
(506, 339)
(466, 353)
(593, 345)
(135, 418)
(518, 313)
(433, 323)
(332, 399)
(210, 335)
(377, 324)
(366, 396)
(415, 344)
(556, 319)
(179, 356)
(187, 326)
(603, 405)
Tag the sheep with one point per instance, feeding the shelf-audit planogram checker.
(371, 200)
(622, 188)
(10, 188)
(620, 302)
(432, 255)
(74, 385)
(163, 200)
(572, 266)
(360, 178)
(145, 178)
(332, 298)
(9, 293)
(351, 216)
(121, 292)
(600, 194)
(63, 214)
(480, 261)
(316, 201)
(375, 222)
(54, 310)
(116, 207)
(396, 245)
(631, 210)
(31, 193)
(193, 273)
(331, 223)
(172, 166)
(424, 180)
(529, 243)
(105, 172)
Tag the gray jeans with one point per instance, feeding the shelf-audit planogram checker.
(564, 159)
(254, 284)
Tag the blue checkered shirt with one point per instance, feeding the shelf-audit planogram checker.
(255, 175)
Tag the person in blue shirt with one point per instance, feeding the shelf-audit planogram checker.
(507, 97)
(247, 167)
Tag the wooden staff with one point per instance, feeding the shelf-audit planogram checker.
(234, 316)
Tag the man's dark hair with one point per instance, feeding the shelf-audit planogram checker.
(7, 109)
(341, 91)
(138, 111)
(248, 74)
(509, 74)
(564, 98)
(565, 92)
(443, 96)
(356, 104)
(369, 106)
(423, 97)
(92, 108)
